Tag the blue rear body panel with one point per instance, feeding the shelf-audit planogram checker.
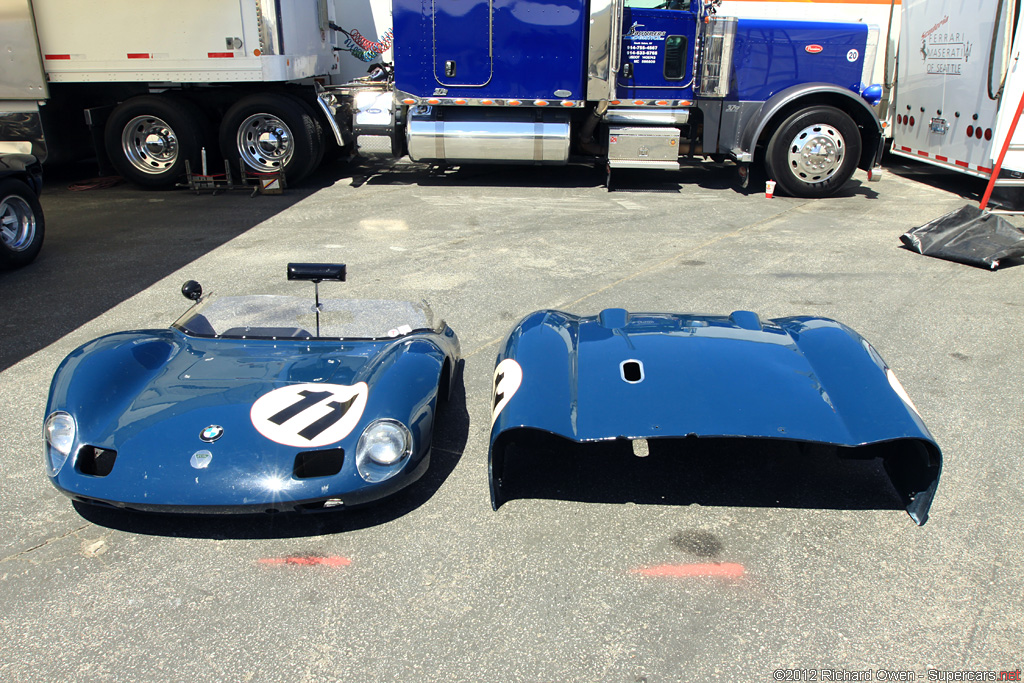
(799, 379)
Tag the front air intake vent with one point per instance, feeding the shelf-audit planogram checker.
(96, 462)
(326, 463)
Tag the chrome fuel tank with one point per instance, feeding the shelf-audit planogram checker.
(474, 136)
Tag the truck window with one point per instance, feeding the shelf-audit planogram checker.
(675, 57)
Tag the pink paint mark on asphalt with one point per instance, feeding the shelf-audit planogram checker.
(725, 570)
(308, 561)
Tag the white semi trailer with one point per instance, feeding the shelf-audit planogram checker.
(960, 80)
(156, 81)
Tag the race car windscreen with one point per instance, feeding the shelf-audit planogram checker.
(284, 317)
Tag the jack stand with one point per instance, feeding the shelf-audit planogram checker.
(201, 182)
(263, 183)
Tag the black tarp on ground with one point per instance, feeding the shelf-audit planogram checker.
(968, 235)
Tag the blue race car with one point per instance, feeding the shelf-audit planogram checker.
(251, 404)
(664, 377)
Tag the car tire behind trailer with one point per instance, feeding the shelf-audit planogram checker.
(21, 224)
(813, 152)
(148, 139)
(269, 133)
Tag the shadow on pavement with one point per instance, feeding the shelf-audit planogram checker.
(709, 472)
(103, 246)
(451, 431)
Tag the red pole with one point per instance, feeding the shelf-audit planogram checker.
(1002, 153)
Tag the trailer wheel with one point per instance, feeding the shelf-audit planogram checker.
(270, 133)
(148, 139)
(814, 152)
(21, 224)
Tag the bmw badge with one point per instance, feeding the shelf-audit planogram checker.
(211, 433)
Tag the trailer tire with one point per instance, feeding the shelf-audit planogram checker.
(21, 224)
(813, 152)
(271, 133)
(148, 139)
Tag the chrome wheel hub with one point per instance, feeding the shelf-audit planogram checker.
(17, 223)
(265, 142)
(149, 144)
(816, 152)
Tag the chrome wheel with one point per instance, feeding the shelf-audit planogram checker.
(265, 143)
(816, 152)
(17, 223)
(149, 144)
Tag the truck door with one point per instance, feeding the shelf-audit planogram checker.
(463, 42)
(657, 51)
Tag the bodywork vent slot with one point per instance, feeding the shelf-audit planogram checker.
(325, 463)
(96, 462)
(632, 371)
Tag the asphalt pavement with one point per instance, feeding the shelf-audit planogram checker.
(822, 576)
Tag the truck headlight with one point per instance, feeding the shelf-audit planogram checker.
(59, 432)
(383, 449)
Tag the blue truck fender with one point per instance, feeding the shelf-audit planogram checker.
(770, 115)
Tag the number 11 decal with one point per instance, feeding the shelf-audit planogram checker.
(309, 415)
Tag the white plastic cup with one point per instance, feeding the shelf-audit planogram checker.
(769, 189)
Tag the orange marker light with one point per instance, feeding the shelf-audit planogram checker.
(541, 103)
(514, 103)
(568, 103)
(433, 101)
(256, 52)
(487, 102)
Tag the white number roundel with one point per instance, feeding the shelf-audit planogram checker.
(507, 378)
(309, 415)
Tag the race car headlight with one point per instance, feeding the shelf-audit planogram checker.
(59, 434)
(383, 449)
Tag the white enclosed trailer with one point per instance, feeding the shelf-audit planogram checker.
(959, 81)
(155, 81)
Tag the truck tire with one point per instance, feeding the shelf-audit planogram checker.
(270, 133)
(148, 139)
(814, 152)
(21, 224)
(320, 141)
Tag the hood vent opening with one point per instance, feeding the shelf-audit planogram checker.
(96, 462)
(325, 463)
(632, 371)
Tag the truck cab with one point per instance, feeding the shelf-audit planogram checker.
(630, 83)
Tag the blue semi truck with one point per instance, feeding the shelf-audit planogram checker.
(624, 83)
(265, 84)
